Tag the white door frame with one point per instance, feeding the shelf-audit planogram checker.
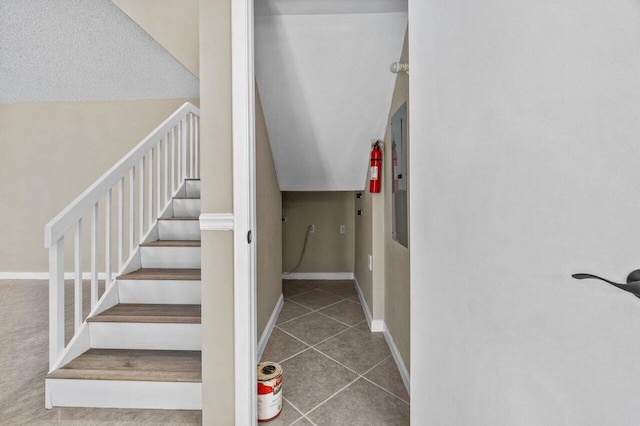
(244, 208)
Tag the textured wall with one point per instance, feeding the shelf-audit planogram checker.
(269, 225)
(173, 23)
(327, 249)
(66, 50)
(524, 130)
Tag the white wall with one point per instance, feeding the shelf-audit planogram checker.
(525, 118)
(67, 50)
(316, 74)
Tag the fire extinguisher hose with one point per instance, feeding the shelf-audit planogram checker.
(304, 249)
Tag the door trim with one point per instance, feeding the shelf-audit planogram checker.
(244, 208)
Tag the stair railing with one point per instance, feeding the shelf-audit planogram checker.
(160, 162)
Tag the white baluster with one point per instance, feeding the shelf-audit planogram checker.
(191, 150)
(158, 178)
(183, 142)
(173, 160)
(94, 255)
(150, 210)
(56, 301)
(141, 207)
(167, 189)
(78, 276)
(107, 238)
(132, 209)
(120, 223)
(197, 147)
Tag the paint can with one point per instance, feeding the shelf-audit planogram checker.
(269, 391)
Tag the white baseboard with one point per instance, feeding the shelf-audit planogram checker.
(402, 368)
(269, 328)
(45, 275)
(376, 326)
(318, 276)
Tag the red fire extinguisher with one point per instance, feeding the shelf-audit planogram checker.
(376, 168)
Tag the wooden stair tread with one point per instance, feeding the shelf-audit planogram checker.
(133, 365)
(150, 313)
(172, 243)
(162, 274)
(179, 218)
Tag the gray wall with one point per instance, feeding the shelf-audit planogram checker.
(524, 131)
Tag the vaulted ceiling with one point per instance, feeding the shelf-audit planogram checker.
(322, 68)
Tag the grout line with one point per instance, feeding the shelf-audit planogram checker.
(327, 316)
(293, 319)
(294, 355)
(295, 408)
(330, 337)
(386, 390)
(296, 303)
(300, 340)
(337, 362)
(337, 392)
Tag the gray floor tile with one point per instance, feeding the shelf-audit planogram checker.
(303, 422)
(362, 403)
(316, 299)
(310, 377)
(313, 328)
(363, 326)
(281, 346)
(291, 310)
(388, 376)
(343, 288)
(291, 288)
(346, 312)
(356, 349)
(288, 416)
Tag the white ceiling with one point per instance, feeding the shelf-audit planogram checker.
(326, 90)
(327, 7)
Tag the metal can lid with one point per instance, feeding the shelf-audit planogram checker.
(268, 371)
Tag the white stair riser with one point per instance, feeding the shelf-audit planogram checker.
(150, 336)
(186, 207)
(179, 229)
(170, 257)
(176, 292)
(123, 394)
(193, 188)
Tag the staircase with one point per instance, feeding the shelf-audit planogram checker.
(139, 347)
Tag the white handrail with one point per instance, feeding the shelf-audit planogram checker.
(74, 211)
(152, 148)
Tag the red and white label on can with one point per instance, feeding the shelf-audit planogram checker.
(269, 391)
(269, 399)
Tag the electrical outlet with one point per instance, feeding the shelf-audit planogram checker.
(312, 229)
(343, 229)
(370, 263)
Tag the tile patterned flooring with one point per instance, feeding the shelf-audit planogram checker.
(336, 372)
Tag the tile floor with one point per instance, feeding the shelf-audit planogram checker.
(336, 372)
(24, 334)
